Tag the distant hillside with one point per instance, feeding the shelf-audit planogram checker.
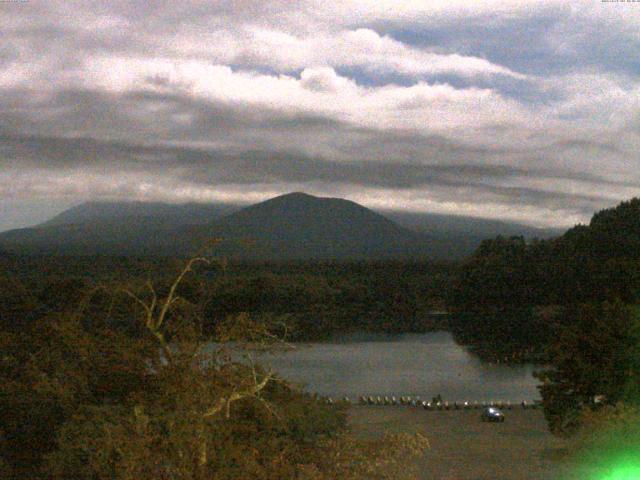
(470, 227)
(113, 228)
(301, 226)
(292, 226)
(170, 214)
(140, 237)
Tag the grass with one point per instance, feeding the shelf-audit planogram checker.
(465, 448)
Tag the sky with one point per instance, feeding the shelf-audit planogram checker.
(506, 109)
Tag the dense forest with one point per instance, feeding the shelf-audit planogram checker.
(95, 385)
(110, 381)
(314, 300)
(570, 302)
(518, 291)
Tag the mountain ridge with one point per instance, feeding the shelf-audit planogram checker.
(291, 226)
(302, 226)
(191, 212)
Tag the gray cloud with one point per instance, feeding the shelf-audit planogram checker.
(465, 182)
(520, 115)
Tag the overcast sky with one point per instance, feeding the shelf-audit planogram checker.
(518, 110)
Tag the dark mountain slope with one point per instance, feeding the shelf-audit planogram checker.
(142, 237)
(113, 228)
(471, 228)
(292, 226)
(170, 214)
(301, 226)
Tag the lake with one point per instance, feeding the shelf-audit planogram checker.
(424, 364)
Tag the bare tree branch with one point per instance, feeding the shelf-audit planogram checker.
(172, 291)
(225, 403)
(153, 322)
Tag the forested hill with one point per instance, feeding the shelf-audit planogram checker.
(299, 226)
(517, 285)
(468, 230)
(295, 226)
(289, 227)
(170, 214)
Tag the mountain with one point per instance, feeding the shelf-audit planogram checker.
(301, 226)
(170, 214)
(113, 228)
(468, 227)
(292, 226)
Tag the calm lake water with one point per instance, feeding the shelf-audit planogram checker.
(410, 364)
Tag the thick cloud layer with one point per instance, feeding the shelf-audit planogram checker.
(524, 110)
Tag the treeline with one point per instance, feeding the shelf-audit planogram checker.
(111, 380)
(507, 296)
(313, 300)
(597, 262)
(569, 302)
(318, 301)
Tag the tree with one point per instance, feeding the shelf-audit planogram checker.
(595, 361)
(606, 446)
(85, 395)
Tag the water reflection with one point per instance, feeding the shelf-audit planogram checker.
(409, 364)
